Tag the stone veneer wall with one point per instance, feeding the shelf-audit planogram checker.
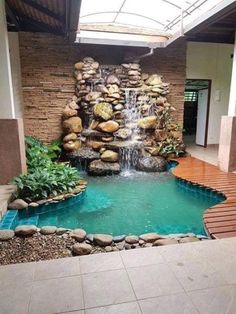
(47, 63)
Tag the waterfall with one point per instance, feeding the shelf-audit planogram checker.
(129, 153)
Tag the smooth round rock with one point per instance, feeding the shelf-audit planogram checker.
(102, 239)
(161, 242)
(26, 230)
(33, 204)
(108, 248)
(18, 204)
(131, 239)
(119, 238)
(48, 230)
(149, 237)
(78, 234)
(127, 246)
(6, 234)
(189, 239)
(81, 249)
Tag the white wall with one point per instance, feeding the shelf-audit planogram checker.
(212, 61)
(16, 73)
(6, 92)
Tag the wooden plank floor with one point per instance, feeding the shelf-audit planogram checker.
(219, 220)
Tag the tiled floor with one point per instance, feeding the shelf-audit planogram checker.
(208, 154)
(176, 279)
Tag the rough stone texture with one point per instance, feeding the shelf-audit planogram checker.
(6, 235)
(103, 110)
(161, 242)
(78, 234)
(148, 122)
(25, 230)
(47, 63)
(72, 125)
(151, 164)
(81, 249)
(108, 126)
(102, 239)
(149, 237)
(131, 239)
(109, 156)
(18, 204)
(101, 168)
(48, 230)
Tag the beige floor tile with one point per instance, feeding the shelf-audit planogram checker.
(100, 262)
(141, 257)
(74, 312)
(106, 288)
(15, 299)
(16, 274)
(56, 296)
(220, 300)
(195, 275)
(171, 304)
(62, 267)
(124, 308)
(183, 252)
(153, 280)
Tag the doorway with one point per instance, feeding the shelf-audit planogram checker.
(196, 111)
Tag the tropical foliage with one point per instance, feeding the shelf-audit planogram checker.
(45, 177)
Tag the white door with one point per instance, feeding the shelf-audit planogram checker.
(201, 116)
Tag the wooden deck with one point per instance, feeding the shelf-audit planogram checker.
(219, 220)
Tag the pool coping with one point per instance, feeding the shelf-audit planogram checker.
(220, 219)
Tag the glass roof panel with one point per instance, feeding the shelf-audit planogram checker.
(154, 14)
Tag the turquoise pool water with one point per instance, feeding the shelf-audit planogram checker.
(135, 204)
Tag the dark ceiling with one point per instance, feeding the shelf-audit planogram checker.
(53, 16)
(220, 28)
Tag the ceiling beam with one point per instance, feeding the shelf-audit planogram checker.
(43, 10)
(12, 16)
(73, 19)
(40, 26)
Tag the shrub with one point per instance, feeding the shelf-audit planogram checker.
(45, 177)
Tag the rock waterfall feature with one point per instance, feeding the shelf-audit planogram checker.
(119, 119)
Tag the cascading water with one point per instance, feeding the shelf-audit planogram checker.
(129, 153)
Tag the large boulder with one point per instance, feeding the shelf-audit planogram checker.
(72, 145)
(101, 168)
(68, 112)
(25, 230)
(82, 249)
(72, 125)
(154, 80)
(18, 204)
(6, 234)
(84, 154)
(113, 79)
(110, 156)
(102, 239)
(103, 111)
(148, 122)
(70, 137)
(151, 164)
(108, 126)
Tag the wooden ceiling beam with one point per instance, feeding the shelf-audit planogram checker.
(40, 26)
(44, 10)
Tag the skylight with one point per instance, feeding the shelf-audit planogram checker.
(161, 17)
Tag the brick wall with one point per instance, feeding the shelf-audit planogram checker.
(47, 76)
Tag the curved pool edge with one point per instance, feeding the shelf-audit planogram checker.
(220, 219)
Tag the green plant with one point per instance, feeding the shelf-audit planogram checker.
(45, 177)
(171, 146)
